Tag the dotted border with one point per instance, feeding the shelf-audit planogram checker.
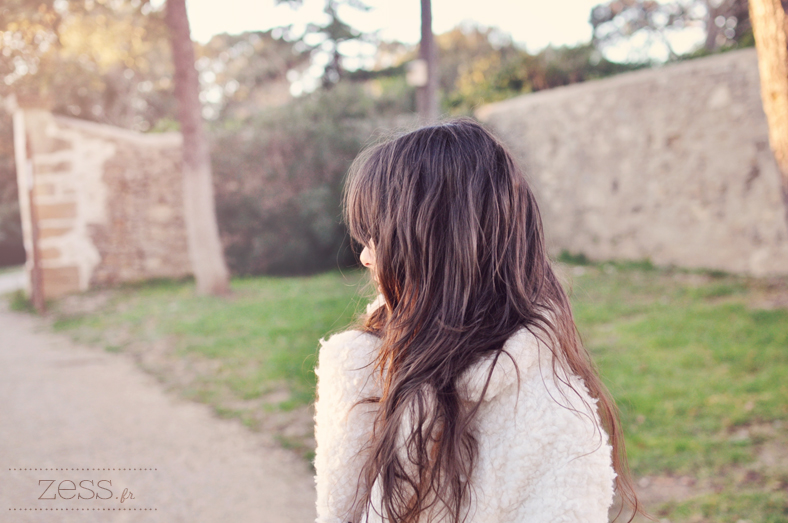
(24, 509)
(85, 469)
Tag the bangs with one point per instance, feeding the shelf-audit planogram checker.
(363, 196)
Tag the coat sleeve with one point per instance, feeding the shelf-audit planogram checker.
(342, 428)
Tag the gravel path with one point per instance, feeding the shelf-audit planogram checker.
(75, 411)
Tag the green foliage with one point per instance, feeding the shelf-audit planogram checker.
(640, 265)
(393, 95)
(611, 265)
(165, 125)
(20, 302)
(574, 259)
(279, 179)
(746, 40)
(110, 62)
(240, 74)
(102, 61)
(726, 24)
(12, 250)
(480, 66)
(335, 32)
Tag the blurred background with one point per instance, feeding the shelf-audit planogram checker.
(189, 215)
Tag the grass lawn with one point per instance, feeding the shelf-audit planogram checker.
(698, 363)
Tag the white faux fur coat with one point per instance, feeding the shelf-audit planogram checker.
(539, 461)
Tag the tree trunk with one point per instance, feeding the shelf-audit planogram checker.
(427, 96)
(711, 27)
(205, 248)
(768, 20)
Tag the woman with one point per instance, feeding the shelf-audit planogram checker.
(465, 393)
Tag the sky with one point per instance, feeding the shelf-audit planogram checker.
(532, 23)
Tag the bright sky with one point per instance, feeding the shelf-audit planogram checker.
(533, 23)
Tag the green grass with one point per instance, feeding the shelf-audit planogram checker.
(686, 368)
(698, 365)
(755, 506)
(697, 362)
(19, 302)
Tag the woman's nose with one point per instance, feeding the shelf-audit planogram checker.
(367, 257)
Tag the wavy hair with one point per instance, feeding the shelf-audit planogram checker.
(462, 265)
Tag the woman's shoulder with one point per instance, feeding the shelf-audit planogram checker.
(528, 348)
(350, 337)
(348, 351)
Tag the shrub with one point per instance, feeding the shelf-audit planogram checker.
(278, 180)
(12, 251)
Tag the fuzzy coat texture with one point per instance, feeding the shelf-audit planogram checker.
(543, 456)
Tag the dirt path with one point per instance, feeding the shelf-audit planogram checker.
(81, 414)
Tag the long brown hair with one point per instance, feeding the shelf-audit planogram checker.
(462, 265)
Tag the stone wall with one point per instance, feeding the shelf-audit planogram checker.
(670, 164)
(107, 202)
